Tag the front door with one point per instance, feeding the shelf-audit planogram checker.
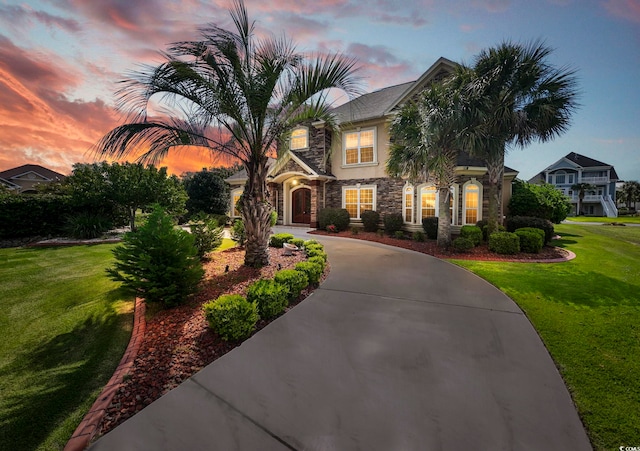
(302, 206)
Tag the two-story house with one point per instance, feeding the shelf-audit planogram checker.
(23, 179)
(573, 169)
(346, 168)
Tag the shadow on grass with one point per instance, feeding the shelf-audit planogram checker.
(52, 380)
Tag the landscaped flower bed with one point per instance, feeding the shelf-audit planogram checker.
(178, 342)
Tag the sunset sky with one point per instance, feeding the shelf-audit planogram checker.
(60, 61)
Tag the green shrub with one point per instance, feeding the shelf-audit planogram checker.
(269, 296)
(308, 246)
(221, 220)
(238, 233)
(279, 239)
(35, 215)
(207, 233)
(274, 218)
(504, 243)
(297, 242)
(541, 201)
(430, 227)
(338, 217)
(463, 244)
(393, 222)
(316, 253)
(483, 226)
(355, 230)
(530, 242)
(534, 230)
(87, 225)
(311, 269)
(380, 232)
(418, 236)
(295, 281)
(474, 233)
(370, 220)
(399, 234)
(231, 316)
(319, 260)
(310, 242)
(158, 262)
(519, 222)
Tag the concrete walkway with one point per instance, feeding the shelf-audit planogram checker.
(395, 351)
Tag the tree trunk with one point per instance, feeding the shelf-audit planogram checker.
(256, 214)
(444, 216)
(132, 218)
(495, 171)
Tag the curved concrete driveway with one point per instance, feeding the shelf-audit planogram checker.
(395, 351)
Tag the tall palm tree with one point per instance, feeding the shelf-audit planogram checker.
(519, 98)
(424, 136)
(631, 193)
(581, 188)
(235, 95)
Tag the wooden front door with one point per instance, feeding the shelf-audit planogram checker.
(301, 206)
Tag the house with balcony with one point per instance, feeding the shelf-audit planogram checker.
(575, 168)
(319, 167)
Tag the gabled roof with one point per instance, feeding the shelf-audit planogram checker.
(580, 161)
(35, 168)
(384, 101)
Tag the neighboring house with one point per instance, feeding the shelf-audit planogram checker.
(24, 178)
(346, 169)
(575, 168)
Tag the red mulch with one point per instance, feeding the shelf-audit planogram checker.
(430, 247)
(178, 342)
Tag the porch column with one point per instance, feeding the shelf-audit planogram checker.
(315, 186)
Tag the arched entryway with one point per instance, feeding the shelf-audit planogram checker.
(301, 206)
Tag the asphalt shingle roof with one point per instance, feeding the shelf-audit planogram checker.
(372, 105)
(47, 173)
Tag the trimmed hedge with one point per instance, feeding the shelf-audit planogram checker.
(418, 236)
(430, 227)
(35, 215)
(312, 269)
(270, 297)
(295, 281)
(279, 239)
(338, 217)
(297, 242)
(463, 244)
(473, 233)
(530, 241)
(518, 222)
(370, 220)
(504, 243)
(393, 223)
(317, 253)
(231, 316)
(318, 260)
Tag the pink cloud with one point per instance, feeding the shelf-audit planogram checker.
(25, 15)
(624, 9)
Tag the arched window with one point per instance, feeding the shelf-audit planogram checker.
(235, 197)
(407, 203)
(300, 138)
(428, 202)
(472, 202)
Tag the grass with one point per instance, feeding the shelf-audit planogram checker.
(64, 328)
(587, 312)
(226, 244)
(602, 219)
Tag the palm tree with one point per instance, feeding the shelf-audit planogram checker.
(424, 136)
(235, 95)
(630, 193)
(519, 98)
(581, 188)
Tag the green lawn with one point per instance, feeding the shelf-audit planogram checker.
(64, 328)
(587, 312)
(620, 219)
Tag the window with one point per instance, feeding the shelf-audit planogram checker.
(570, 179)
(560, 178)
(235, 197)
(428, 201)
(359, 147)
(407, 205)
(472, 204)
(356, 199)
(300, 138)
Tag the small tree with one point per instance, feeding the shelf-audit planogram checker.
(630, 193)
(207, 191)
(581, 188)
(158, 261)
(541, 201)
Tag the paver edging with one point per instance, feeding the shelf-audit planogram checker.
(90, 423)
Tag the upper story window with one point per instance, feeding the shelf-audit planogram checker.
(561, 178)
(300, 138)
(360, 146)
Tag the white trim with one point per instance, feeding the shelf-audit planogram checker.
(232, 205)
(472, 182)
(359, 130)
(453, 201)
(406, 187)
(359, 187)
